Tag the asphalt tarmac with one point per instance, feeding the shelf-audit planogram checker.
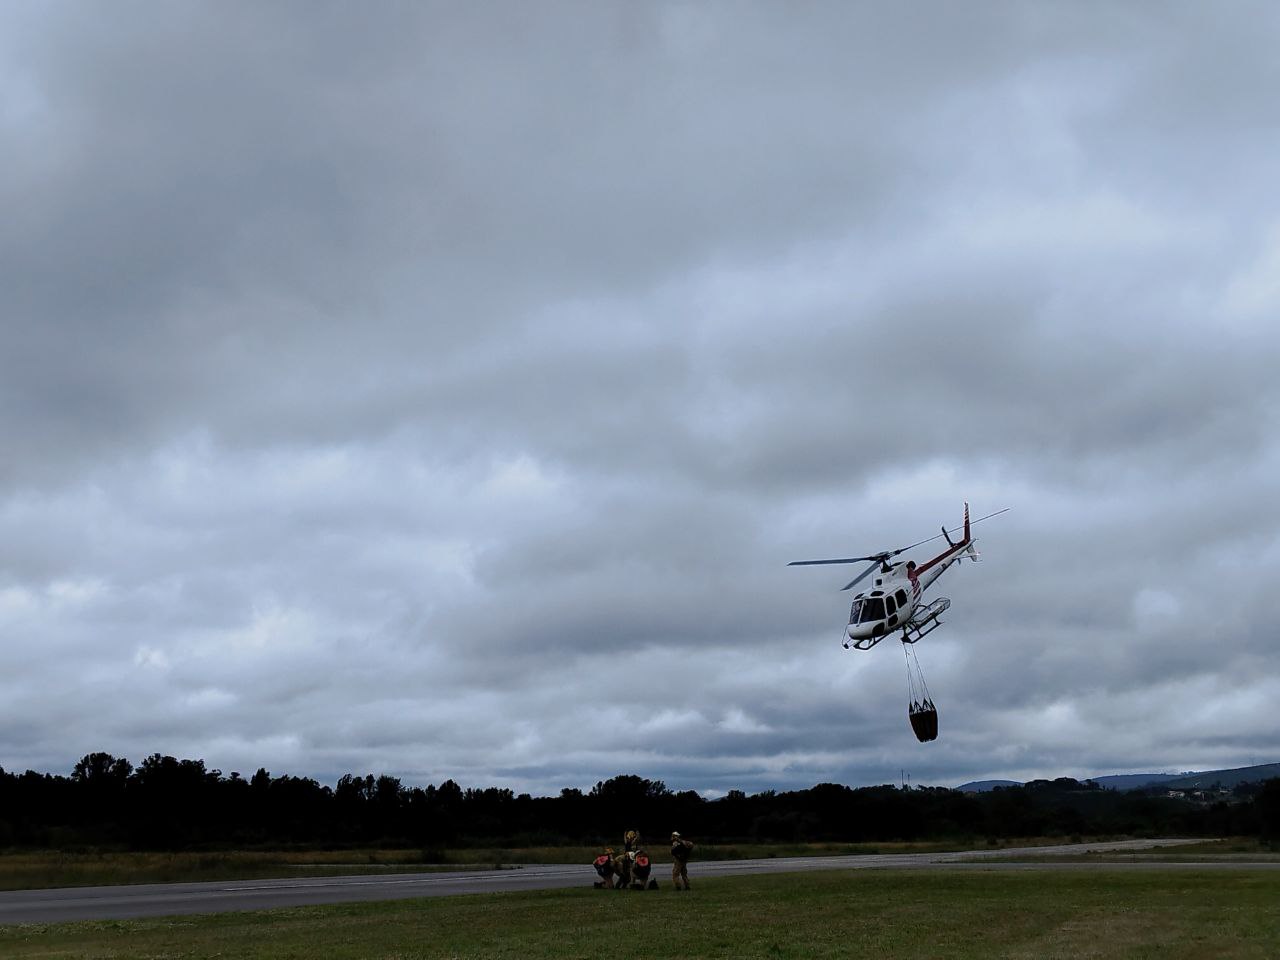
(165, 899)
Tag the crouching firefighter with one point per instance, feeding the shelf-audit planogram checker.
(641, 866)
(604, 867)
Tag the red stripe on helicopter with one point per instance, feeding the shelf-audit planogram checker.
(942, 556)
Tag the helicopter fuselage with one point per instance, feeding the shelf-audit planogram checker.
(896, 597)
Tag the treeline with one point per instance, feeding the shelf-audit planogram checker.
(166, 803)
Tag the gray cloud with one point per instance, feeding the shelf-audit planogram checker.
(442, 392)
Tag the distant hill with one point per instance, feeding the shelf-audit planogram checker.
(1224, 778)
(1134, 781)
(1190, 780)
(982, 786)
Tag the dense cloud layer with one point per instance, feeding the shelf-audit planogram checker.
(441, 391)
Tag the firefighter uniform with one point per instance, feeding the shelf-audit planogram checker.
(680, 850)
(640, 870)
(604, 867)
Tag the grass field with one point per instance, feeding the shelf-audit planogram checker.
(890, 914)
(28, 870)
(1247, 849)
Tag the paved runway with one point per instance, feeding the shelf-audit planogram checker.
(164, 899)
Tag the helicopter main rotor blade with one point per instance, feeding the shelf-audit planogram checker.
(809, 563)
(886, 555)
(860, 577)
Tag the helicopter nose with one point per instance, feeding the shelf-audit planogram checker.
(860, 631)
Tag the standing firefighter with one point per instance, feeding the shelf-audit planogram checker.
(680, 850)
(624, 864)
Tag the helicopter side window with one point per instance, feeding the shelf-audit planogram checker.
(872, 610)
(901, 597)
(891, 605)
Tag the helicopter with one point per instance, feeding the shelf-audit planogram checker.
(896, 602)
(896, 599)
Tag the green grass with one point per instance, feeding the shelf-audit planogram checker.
(1230, 849)
(29, 870)
(880, 914)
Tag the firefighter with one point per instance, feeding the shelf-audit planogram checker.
(604, 867)
(680, 850)
(622, 864)
(631, 841)
(640, 871)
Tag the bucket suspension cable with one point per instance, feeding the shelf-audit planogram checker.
(920, 711)
(917, 689)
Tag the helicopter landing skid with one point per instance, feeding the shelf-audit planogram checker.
(924, 625)
(866, 643)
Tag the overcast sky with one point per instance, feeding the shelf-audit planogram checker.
(441, 389)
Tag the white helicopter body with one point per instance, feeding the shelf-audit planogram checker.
(896, 599)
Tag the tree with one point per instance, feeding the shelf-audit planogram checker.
(1268, 805)
(102, 769)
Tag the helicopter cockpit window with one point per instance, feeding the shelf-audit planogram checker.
(892, 605)
(872, 610)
